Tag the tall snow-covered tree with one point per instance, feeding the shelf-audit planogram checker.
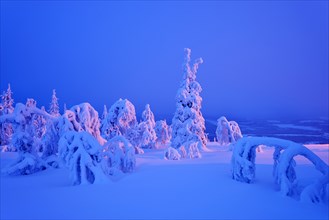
(188, 124)
(162, 132)
(6, 108)
(54, 107)
(148, 135)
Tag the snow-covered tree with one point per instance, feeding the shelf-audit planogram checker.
(162, 133)
(38, 125)
(121, 117)
(64, 108)
(243, 166)
(7, 101)
(82, 117)
(119, 156)
(6, 108)
(81, 153)
(148, 135)
(227, 132)
(188, 124)
(54, 107)
(105, 113)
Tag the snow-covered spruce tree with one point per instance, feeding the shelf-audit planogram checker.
(6, 108)
(104, 123)
(121, 117)
(105, 113)
(54, 107)
(227, 132)
(119, 156)
(81, 153)
(162, 133)
(82, 117)
(148, 135)
(188, 124)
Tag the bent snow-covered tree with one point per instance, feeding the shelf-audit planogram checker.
(188, 124)
(243, 166)
(120, 118)
(227, 132)
(81, 153)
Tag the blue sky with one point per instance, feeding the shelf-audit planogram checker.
(262, 59)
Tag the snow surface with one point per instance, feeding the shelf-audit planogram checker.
(166, 189)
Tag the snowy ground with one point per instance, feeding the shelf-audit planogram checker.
(161, 189)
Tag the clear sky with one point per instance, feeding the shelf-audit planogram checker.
(261, 58)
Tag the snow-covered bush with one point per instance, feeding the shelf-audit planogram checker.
(162, 132)
(120, 118)
(119, 156)
(134, 135)
(243, 166)
(148, 135)
(171, 154)
(81, 153)
(28, 161)
(81, 117)
(227, 132)
(23, 139)
(188, 124)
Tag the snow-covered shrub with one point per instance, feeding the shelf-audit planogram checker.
(28, 161)
(227, 132)
(243, 166)
(188, 124)
(81, 117)
(171, 154)
(119, 156)
(134, 135)
(22, 121)
(148, 135)
(81, 153)
(162, 133)
(120, 118)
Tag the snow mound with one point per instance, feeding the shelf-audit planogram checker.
(243, 166)
(171, 154)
